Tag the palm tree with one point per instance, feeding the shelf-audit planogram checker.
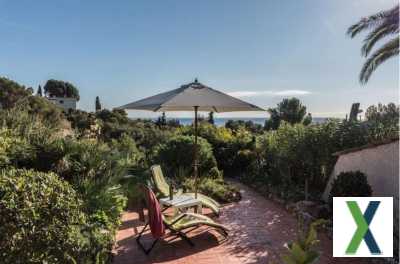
(382, 24)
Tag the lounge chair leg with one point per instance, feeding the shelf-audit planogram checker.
(146, 250)
(184, 237)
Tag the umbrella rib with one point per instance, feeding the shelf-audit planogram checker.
(157, 108)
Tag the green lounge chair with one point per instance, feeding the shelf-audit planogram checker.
(162, 189)
(178, 226)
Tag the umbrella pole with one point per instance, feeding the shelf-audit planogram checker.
(195, 171)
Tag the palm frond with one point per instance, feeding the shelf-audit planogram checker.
(386, 52)
(373, 20)
(377, 34)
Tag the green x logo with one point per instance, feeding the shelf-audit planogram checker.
(363, 232)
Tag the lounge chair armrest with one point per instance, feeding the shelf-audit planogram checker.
(165, 208)
(178, 218)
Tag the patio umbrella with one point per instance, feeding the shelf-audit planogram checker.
(193, 96)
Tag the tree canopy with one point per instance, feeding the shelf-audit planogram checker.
(11, 92)
(386, 114)
(290, 110)
(56, 88)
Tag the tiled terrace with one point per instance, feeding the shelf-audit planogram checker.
(259, 230)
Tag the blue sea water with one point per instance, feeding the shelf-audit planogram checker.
(222, 121)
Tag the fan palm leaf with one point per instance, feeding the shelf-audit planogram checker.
(386, 52)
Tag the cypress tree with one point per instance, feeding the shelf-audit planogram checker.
(98, 105)
(39, 91)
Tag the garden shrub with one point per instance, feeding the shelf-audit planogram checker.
(281, 154)
(244, 159)
(11, 92)
(177, 154)
(252, 127)
(82, 122)
(351, 183)
(40, 218)
(94, 169)
(37, 145)
(226, 145)
(215, 173)
(287, 159)
(217, 189)
(43, 109)
(90, 162)
(131, 185)
(13, 148)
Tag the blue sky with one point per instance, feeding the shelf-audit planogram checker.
(261, 51)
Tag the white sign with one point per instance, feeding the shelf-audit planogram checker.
(362, 227)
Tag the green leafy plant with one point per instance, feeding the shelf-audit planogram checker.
(351, 183)
(289, 110)
(56, 88)
(177, 153)
(11, 92)
(302, 251)
(218, 189)
(40, 218)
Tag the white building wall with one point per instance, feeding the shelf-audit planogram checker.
(66, 103)
(380, 164)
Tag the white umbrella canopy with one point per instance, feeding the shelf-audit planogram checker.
(189, 96)
(193, 96)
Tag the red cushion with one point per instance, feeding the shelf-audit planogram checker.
(155, 216)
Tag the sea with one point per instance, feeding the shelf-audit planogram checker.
(222, 121)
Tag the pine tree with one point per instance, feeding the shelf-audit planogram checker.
(98, 105)
(307, 120)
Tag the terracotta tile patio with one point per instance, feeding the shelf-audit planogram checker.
(259, 230)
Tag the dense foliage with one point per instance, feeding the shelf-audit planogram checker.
(351, 184)
(56, 88)
(41, 219)
(296, 160)
(102, 157)
(289, 110)
(176, 156)
(11, 92)
(42, 108)
(90, 168)
(385, 114)
(304, 249)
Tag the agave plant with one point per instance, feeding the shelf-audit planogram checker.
(302, 251)
(381, 25)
